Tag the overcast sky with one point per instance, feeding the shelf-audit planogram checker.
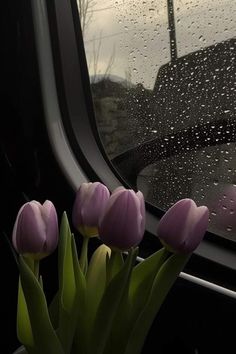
(137, 32)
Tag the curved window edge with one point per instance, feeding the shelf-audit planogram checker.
(99, 167)
(59, 142)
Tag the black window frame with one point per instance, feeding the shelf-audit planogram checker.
(76, 112)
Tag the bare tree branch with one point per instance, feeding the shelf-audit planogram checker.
(110, 63)
(86, 11)
(96, 54)
(85, 8)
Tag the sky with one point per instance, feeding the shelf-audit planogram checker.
(133, 35)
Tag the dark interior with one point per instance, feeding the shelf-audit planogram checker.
(193, 318)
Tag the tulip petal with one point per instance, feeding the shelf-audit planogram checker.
(198, 231)
(94, 204)
(35, 230)
(29, 232)
(175, 224)
(90, 201)
(120, 225)
(49, 215)
(118, 189)
(79, 200)
(183, 226)
(15, 231)
(139, 195)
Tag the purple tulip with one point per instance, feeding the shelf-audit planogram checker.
(183, 226)
(36, 229)
(90, 201)
(123, 223)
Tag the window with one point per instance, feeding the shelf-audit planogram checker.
(71, 110)
(163, 82)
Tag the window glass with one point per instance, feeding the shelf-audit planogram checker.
(163, 81)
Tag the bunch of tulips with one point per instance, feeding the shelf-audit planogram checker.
(107, 303)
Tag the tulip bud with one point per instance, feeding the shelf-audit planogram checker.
(89, 204)
(183, 226)
(122, 224)
(35, 232)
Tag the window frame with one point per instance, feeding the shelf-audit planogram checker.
(72, 134)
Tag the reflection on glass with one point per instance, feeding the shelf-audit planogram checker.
(163, 80)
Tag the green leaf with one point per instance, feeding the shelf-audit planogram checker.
(96, 281)
(84, 255)
(120, 326)
(163, 282)
(66, 272)
(114, 264)
(53, 311)
(79, 316)
(109, 305)
(45, 339)
(24, 331)
(134, 299)
(147, 270)
(142, 280)
(67, 287)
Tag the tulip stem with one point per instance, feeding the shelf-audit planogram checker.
(114, 265)
(36, 268)
(30, 263)
(33, 264)
(84, 255)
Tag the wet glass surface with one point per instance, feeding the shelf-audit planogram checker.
(164, 85)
